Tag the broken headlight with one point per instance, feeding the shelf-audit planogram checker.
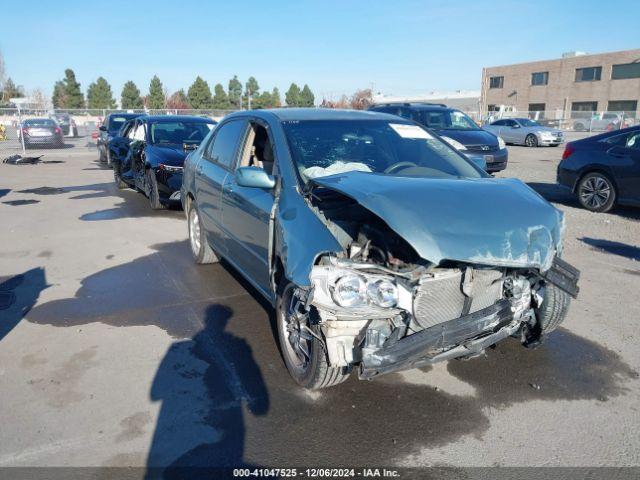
(354, 290)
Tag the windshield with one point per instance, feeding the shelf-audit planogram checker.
(179, 132)
(40, 122)
(445, 120)
(525, 122)
(326, 147)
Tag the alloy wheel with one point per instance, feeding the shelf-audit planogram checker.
(295, 325)
(194, 231)
(595, 192)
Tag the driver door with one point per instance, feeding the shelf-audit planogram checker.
(246, 211)
(510, 132)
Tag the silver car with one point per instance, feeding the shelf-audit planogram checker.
(522, 131)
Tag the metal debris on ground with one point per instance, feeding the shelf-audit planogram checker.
(20, 160)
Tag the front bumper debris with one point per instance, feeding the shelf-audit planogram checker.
(564, 276)
(463, 336)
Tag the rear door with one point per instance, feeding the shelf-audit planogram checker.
(626, 165)
(218, 159)
(119, 146)
(246, 212)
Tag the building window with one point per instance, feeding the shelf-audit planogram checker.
(536, 111)
(540, 78)
(496, 82)
(622, 106)
(627, 70)
(492, 108)
(588, 74)
(583, 109)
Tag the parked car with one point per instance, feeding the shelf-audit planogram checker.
(149, 154)
(457, 129)
(108, 130)
(42, 132)
(606, 121)
(66, 123)
(381, 247)
(603, 170)
(522, 131)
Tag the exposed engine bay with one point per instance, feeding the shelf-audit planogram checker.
(381, 307)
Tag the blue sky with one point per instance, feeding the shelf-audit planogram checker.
(398, 47)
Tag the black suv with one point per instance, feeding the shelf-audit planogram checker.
(456, 128)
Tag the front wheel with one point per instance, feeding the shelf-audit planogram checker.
(121, 184)
(154, 196)
(303, 351)
(531, 140)
(596, 192)
(202, 252)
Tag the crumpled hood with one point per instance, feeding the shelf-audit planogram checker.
(498, 222)
(173, 155)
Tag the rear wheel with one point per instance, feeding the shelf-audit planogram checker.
(579, 127)
(303, 352)
(531, 140)
(154, 196)
(596, 192)
(202, 252)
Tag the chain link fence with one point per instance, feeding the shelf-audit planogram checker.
(59, 134)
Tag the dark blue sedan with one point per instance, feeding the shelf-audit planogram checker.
(149, 154)
(603, 170)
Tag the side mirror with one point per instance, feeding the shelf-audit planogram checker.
(102, 128)
(254, 177)
(515, 126)
(480, 162)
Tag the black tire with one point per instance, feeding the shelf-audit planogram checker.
(314, 372)
(531, 140)
(121, 184)
(578, 127)
(102, 158)
(596, 192)
(202, 252)
(554, 308)
(153, 195)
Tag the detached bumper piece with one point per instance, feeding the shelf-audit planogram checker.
(464, 336)
(563, 276)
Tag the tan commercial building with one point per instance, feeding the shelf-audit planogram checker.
(574, 86)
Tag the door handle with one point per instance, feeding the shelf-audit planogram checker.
(199, 170)
(228, 188)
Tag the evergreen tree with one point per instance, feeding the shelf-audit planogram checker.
(73, 94)
(178, 101)
(292, 97)
(99, 94)
(307, 98)
(220, 98)
(59, 98)
(264, 100)
(251, 89)
(275, 98)
(130, 97)
(235, 92)
(199, 94)
(156, 98)
(11, 91)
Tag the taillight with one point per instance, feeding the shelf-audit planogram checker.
(568, 150)
(25, 131)
(58, 130)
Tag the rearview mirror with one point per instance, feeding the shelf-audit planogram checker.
(254, 177)
(102, 128)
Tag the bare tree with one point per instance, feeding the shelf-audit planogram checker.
(362, 99)
(39, 100)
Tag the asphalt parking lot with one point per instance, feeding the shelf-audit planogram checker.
(115, 349)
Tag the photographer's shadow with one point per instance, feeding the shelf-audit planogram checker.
(205, 385)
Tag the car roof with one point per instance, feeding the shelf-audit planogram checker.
(304, 114)
(434, 107)
(175, 118)
(126, 114)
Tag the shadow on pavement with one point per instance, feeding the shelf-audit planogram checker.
(215, 434)
(614, 248)
(18, 295)
(228, 399)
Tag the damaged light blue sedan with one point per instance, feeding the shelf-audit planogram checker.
(381, 247)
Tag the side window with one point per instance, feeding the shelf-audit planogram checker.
(138, 133)
(222, 148)
(511, 123)
(257, 149)
(131, 131)
(634, 141)
(499, 123)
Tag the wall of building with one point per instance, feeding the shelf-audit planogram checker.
(562, 89)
